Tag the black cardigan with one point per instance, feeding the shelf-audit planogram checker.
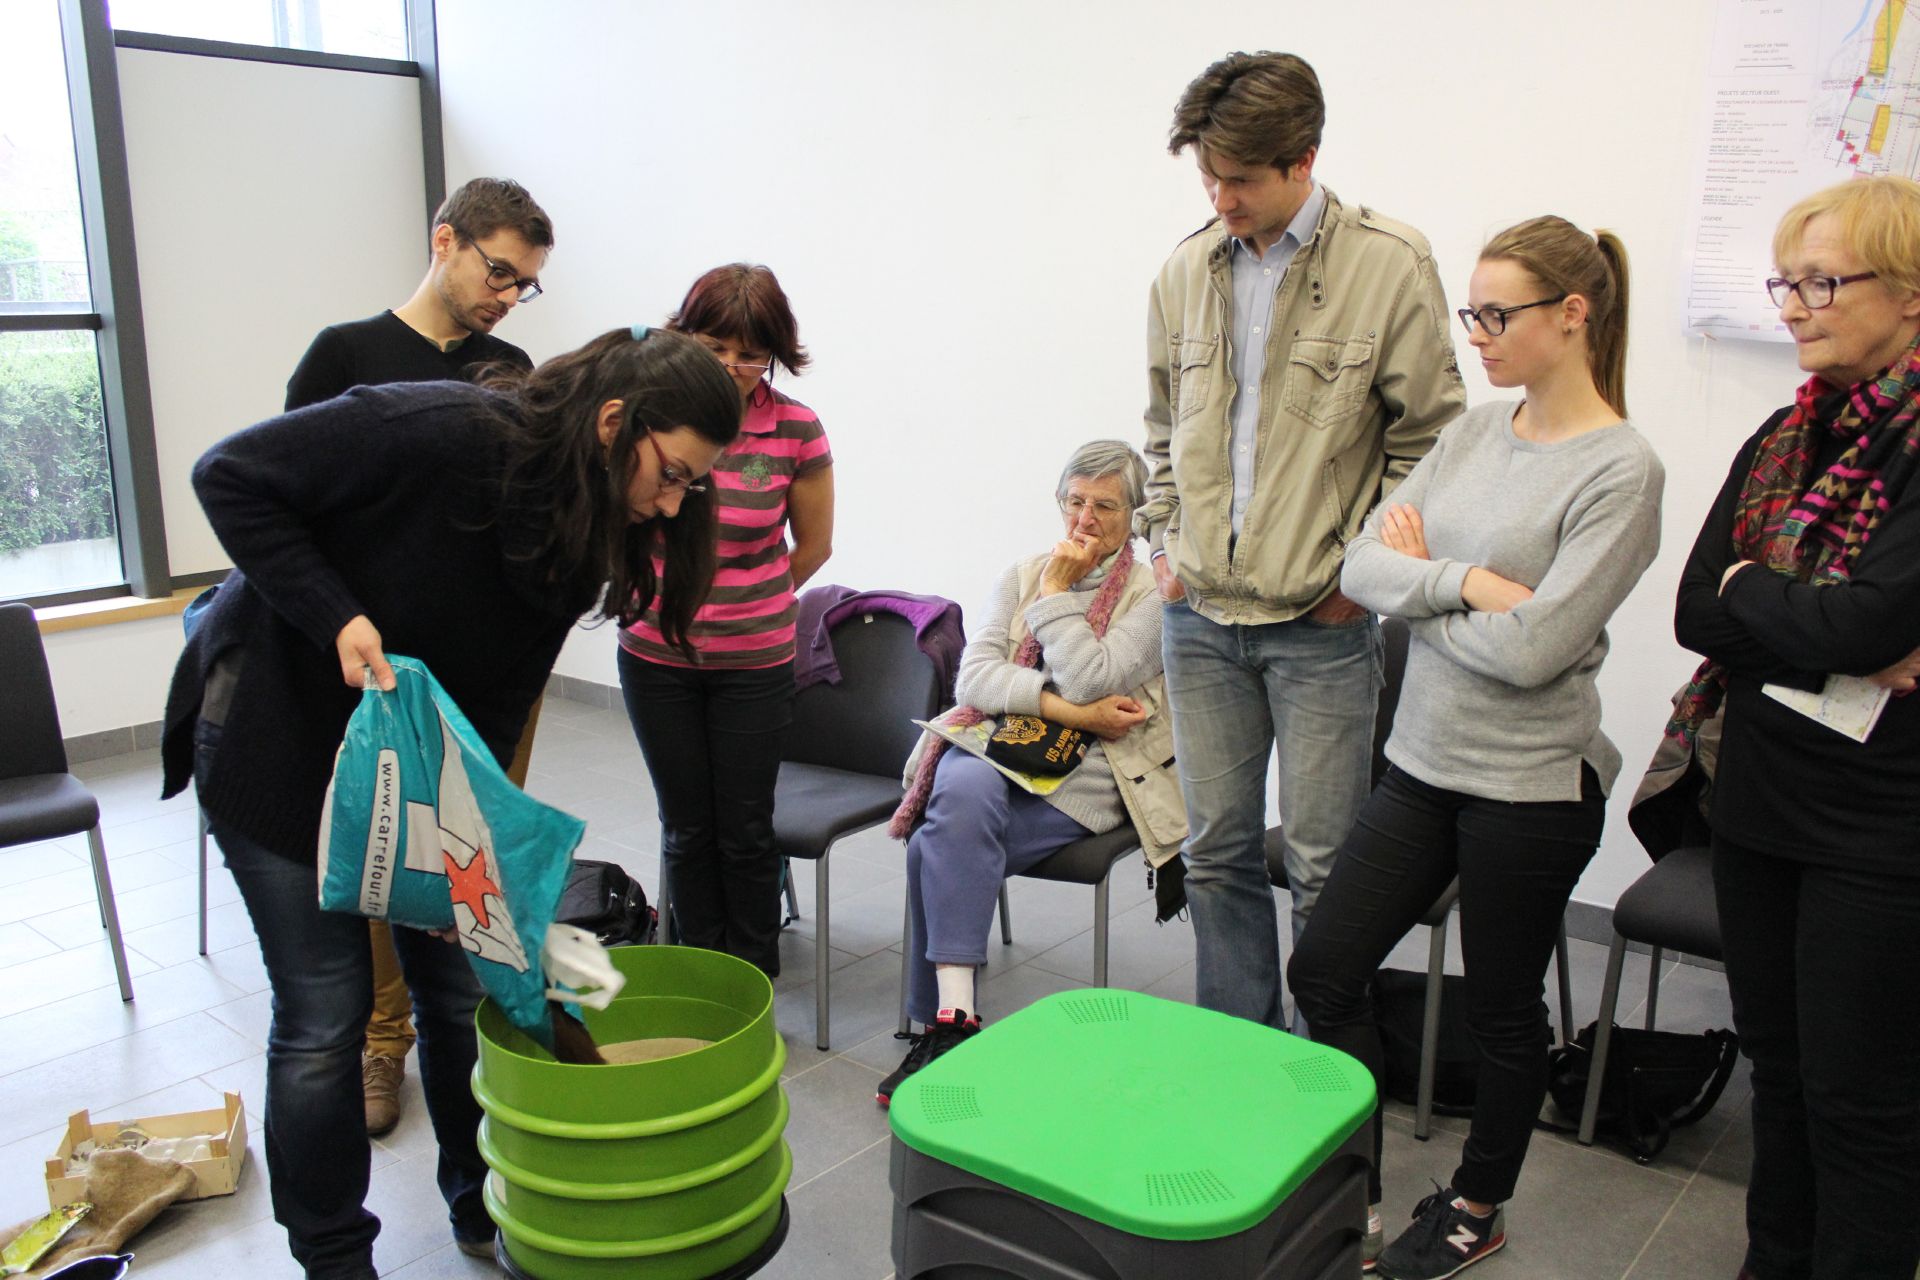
(1784, 784)
(383, 502)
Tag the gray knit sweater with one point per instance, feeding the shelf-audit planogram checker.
(1503, 705)
(1074, 663)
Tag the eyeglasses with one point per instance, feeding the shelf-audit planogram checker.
(671, 479)
(500, 276)
(1494, 319)
(1815, 291)
(1105, 508)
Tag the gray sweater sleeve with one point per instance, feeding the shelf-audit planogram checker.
(1085, 667)
(1608, 542)
(989, 680)
(1401, 586)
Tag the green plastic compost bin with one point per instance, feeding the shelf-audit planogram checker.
(674, 1168)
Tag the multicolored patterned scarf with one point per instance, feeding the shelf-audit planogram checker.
(1815, 533)
(1099, 618)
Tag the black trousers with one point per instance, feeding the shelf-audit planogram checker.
(1517, 865)
(712, 741)
(1824, 966)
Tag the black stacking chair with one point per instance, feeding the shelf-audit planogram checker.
(845, 754)
(39, 799)
(1671, 907)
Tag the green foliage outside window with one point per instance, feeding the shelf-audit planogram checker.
(55, 483)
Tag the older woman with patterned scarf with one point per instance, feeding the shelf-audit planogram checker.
(1805, 585)
(1072, 636)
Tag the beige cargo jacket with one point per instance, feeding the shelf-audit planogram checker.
(1360, 377)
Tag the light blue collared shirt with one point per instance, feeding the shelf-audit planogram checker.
(1256, 280)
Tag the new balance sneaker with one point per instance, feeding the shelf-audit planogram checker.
(949, 1028)
(1444, 1239)
(1374, 1241)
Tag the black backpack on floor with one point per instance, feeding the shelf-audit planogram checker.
(1656, 1081)
(1399, 1008)
(603, 899)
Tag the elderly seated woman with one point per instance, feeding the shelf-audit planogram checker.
(1071, 635)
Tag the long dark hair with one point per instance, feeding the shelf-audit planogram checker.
(571, 491)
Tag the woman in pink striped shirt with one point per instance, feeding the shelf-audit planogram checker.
(712, 716)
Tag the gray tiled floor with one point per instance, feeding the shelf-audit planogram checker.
(198, 1027)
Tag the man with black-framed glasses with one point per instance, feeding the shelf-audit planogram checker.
(487, 248)
(488, 245)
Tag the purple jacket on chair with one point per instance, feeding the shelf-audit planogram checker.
(938, 628)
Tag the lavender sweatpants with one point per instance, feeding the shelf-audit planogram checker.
(980, 829)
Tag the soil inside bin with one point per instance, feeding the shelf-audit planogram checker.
(650, 1049)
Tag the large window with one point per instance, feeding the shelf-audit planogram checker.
(368, 28)
(56, 489)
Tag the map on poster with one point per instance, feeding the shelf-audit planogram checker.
(1800, 94)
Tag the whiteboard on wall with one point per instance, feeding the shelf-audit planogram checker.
(268, 202)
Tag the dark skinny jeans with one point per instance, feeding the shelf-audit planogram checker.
(1517, 865)
(712, 740)
(1824, 966)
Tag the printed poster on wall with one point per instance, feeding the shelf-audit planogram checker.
(1800, 94)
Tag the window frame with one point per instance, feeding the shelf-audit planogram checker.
(89, 44)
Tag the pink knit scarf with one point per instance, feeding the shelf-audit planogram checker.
(1099, 617)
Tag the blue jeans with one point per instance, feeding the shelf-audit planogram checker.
(316, 1127)
(1236, 691)
(980, 829)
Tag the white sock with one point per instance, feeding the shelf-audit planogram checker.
(956, 987)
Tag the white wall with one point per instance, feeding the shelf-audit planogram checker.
(113, 676)
(268, 202)
(967, 203)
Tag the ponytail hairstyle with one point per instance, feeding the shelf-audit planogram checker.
(1567, 260)
(565, 493)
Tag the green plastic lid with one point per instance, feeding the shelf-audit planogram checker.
(1150, 1116)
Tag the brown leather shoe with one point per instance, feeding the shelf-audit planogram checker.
(380, 1078)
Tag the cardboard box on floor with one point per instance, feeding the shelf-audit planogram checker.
(217, 1175)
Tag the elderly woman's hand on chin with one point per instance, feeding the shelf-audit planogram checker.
(1074, 557)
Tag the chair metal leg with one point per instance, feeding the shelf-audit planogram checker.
(1653, 987)
(669, 932)
(1602, 1039)
(203, 882)
(103, 883)
(1100, 896)
(1565, 974)
(793, 899)
(1430, 1029)
(820, 949)
(1006, 918)
(906, 962)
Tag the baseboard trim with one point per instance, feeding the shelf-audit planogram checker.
(607, 697)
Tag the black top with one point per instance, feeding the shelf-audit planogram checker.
(383, 349)
(1784, 784)
(383, 502)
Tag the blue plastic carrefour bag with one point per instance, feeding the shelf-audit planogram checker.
(422, 828)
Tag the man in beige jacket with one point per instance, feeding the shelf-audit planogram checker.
(1299, 366)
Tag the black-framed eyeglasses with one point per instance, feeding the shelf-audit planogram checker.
(1815, 291)
(1494, 319)
(670, 477)
(500, 276)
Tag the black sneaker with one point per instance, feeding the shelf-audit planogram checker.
(1443, 1240)
(949, 1028)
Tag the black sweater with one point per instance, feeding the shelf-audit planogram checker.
(383, 349)
(383, 502)
(1784, 784)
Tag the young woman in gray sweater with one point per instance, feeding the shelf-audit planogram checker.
(1506, 550)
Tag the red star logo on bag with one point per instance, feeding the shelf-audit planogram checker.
(470, 884)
